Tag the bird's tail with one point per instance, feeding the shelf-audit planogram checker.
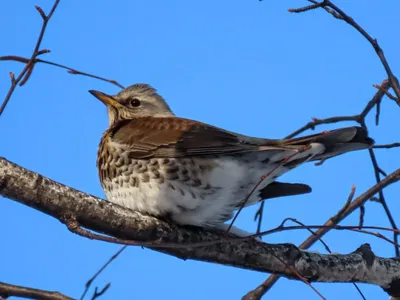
(335, 142)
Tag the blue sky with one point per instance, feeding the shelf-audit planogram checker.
(246, 66)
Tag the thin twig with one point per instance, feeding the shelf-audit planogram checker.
(103, 267)
(258, 217)
(69, 69)
(361, 217)
(316, 122)
(387, 146)
(97, 294)
(387, 93)
(336, 11)
(10, 290)
(382, 200)
(27, 70)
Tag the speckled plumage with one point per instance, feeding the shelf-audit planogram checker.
(154, 162)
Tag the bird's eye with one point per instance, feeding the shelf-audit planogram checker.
(134, 102)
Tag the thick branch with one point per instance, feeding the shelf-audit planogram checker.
(64, 203)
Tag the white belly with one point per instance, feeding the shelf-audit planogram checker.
(229, 186)
(222, 190)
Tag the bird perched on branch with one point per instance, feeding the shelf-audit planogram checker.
(154, 162)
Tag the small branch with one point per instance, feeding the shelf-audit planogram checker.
(308, 7)
(361, 217)
(316, 122)
(387, 93)
(354, 228)
(10, 290)
(97, 294)
(387, 146)
(258, 217)
(69, 69)
(336, 11)
(27, 70)
(382, 200)
(91, 280)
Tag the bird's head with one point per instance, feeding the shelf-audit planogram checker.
(138, 100)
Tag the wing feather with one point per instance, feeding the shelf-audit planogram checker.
(177, 137)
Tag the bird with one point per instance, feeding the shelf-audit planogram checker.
(192, 173)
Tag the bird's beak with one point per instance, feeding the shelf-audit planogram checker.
(106, 99)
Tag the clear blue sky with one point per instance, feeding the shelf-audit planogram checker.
(246, 66)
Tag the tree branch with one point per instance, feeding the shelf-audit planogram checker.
(69, 69)
(65, 203)
(10, 290)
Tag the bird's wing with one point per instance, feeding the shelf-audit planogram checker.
(177, 137)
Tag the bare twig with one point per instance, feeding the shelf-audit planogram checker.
(103, 267)
(97, 294)
(361, 217)
(258, 217)
(10, 290)
(69, 69)
(336, 11)
(387, 146)
(381, 196)
(316, 122)
(282, 227)
(387, 93)
(308, 7)
(27, 70)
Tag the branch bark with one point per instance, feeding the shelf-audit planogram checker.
(65, 204)
(10, 290)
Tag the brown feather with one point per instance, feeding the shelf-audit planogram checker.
(176, 137)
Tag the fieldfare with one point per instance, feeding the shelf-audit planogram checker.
(197, 174)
